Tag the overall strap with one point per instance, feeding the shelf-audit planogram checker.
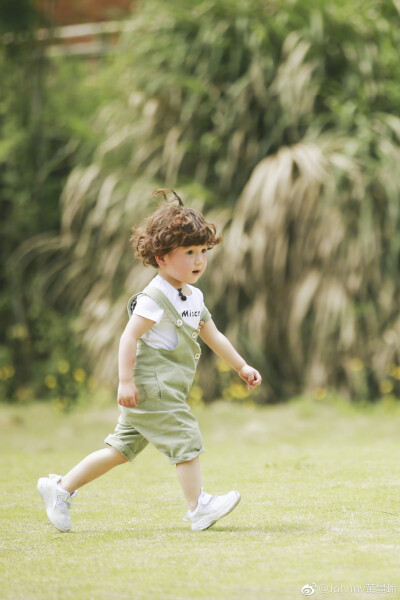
(162, 300)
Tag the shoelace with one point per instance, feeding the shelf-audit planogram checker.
(208, 501)
(65, 505)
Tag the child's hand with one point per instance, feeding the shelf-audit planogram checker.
(250, 376)
(127, 394)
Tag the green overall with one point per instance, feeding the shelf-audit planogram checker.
(163, 379)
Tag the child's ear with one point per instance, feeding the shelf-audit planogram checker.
(160, 260)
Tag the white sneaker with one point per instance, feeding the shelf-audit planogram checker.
(57, 501)
(211, 508)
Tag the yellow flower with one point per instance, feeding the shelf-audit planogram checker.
(196, 393)
(386, 386)
(239, 390)
(222, 366)
(196, 396)
(319, 393)
(356, 364)
(9, 371)
(63, 366)
(394, 371)
(79, 375)
(19, 332)
(50, 381)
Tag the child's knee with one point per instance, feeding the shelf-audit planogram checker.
(117, 455)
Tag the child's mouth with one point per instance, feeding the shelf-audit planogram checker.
(196, 272)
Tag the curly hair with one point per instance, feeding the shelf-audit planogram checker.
(169, 227)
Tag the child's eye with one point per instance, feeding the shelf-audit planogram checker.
(205, 250)
(190, 252)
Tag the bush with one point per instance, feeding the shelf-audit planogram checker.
(44, 130)
(292, 108)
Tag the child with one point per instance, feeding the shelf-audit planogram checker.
(160, 346)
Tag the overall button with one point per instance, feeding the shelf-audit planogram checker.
(197, 356)
(179, 322)
(194, 335)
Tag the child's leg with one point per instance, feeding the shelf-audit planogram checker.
(91, 467)
(189, 476)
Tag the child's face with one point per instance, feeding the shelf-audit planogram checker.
(185, 264)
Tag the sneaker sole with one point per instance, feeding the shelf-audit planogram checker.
(206, 524)
(45, 493)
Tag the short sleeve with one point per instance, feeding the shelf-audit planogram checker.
(148, 308)
(205, 314)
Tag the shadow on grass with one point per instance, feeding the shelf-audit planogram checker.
(151, 532)
(284, 528)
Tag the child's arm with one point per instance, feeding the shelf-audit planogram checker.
(224, 349)
(127, 391)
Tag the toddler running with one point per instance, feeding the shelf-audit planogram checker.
(159, 346)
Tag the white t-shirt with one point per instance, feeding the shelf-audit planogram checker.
(163, 333)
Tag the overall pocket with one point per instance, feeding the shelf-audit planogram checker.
(149, 392)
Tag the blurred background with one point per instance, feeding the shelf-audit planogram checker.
(279, 120)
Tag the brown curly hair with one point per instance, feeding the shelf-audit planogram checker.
(169, 227)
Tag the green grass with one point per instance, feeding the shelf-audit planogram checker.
(320, 503)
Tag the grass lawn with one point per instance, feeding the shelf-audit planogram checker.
(320, 489)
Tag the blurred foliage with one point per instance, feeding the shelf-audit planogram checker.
(43, 131)
(294, 110)
(20, 16)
